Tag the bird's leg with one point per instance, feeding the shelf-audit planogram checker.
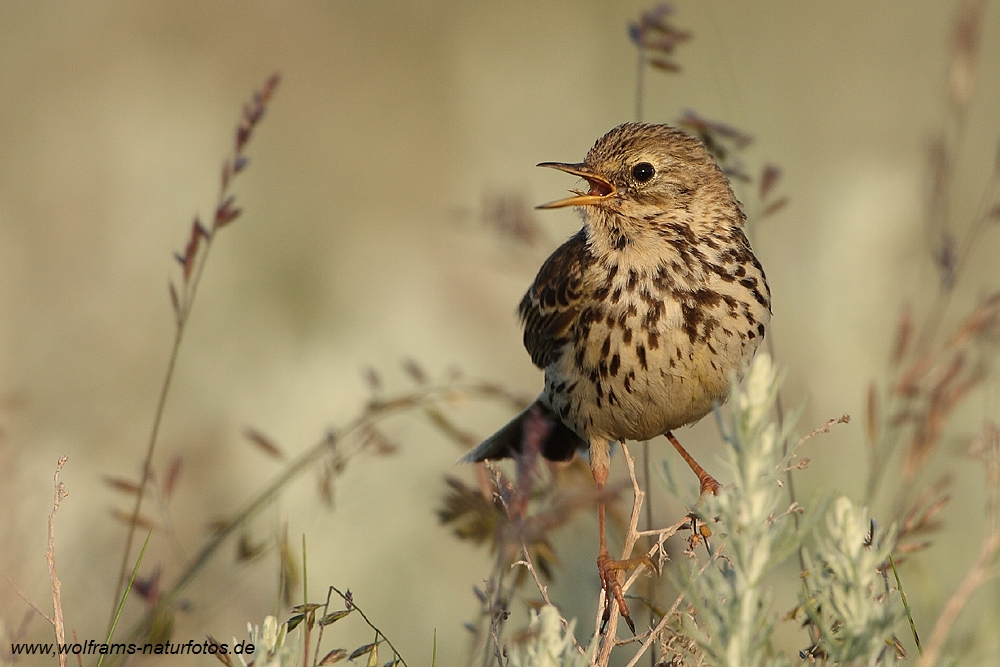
(708, 482)
(607, 567)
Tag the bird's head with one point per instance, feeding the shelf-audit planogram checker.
(639, 170)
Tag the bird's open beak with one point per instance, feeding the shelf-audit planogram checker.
(600, 188)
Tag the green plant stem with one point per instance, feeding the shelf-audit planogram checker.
(182, 315)
(121, 605)
(906, 606)
(146, 470)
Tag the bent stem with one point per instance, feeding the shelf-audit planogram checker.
(982, 571)
(349, 600)
(374, 413)
(193, 264)
(632, 535)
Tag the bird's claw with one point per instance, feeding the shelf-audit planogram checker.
(608, 569)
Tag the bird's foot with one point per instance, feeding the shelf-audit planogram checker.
(608, 569)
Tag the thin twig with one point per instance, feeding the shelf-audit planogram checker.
(79, 658)
(225, 212)
(668, 531)
(906, 605)
(662, 534)
(789, 480)
(825, 428)
(147, 468)
(50, 556)
(353, 605)
(30, 603)
(666, 617)
(632, 535)
(319, 638)
(602, 657)
(544, 590)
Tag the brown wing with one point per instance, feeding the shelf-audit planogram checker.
(552, 304)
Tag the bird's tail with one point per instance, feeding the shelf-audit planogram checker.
(557, 442)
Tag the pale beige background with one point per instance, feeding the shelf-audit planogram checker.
(360, 246)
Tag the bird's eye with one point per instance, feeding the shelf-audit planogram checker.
(643, 171)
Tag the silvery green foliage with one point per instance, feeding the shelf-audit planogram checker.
(550, 645)
(847, 597)
(852, 604)
(733, 619)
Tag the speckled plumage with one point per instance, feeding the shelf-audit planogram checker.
(640, 319)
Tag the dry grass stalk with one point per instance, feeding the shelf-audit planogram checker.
(981, 571)
(50, 557)
(192, 262)
(544, 590)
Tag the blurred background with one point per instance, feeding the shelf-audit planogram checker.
(367, 240)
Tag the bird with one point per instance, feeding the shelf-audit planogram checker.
(643, 318)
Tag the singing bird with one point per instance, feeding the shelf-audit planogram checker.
(643, 317)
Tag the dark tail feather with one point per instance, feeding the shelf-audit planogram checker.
(559, 442)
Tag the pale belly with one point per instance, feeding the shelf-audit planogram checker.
(636, 383)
